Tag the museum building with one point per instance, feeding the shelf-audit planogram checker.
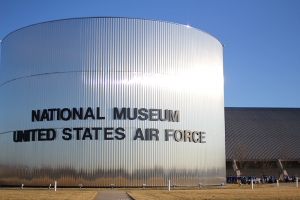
(106, 100)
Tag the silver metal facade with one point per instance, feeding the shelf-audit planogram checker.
(112, 63)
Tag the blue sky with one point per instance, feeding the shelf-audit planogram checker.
(261, 37)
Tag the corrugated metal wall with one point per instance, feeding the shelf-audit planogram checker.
(108, 63)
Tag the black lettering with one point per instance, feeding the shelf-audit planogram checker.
(35, 115)
(178, 139)
(78, 113)
(67, 135)
(89, 113)
(58, 114)
(187, 135)
(166, 115)
(87, 133)
(51, 112)
(147, 134)
(98, 114)
(15, 138)
(154, 133)
(120, 131)
(62, 115)
(33, 134)
(107, 132)
(26, 136)
(49, 134)
(174, 117)
(29, 135)
(42, 135)
(153, 115)
(119, 115)
(139, 134)
(45, 115)
(78, 132)
(134, 114)
(202, 137)
(20, 136)
(167, 134)
(194, 139)
(96, 132)
(143, 114)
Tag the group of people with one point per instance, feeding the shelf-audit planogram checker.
(241, 179)
(248, 179)
(269, 179)
(263, 179)
(287, 178)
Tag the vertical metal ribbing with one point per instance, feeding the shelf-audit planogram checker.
(106, 63)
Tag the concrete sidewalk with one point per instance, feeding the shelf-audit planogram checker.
(112, 195)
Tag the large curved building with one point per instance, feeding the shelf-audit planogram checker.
(100, 101)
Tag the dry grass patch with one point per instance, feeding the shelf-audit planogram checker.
(230, 192)
(268, 191)
(43, 193)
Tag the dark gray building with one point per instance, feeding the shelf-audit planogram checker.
(262, 141)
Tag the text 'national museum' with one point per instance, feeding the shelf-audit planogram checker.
(100, 101)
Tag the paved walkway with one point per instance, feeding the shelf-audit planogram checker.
(112, 195)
